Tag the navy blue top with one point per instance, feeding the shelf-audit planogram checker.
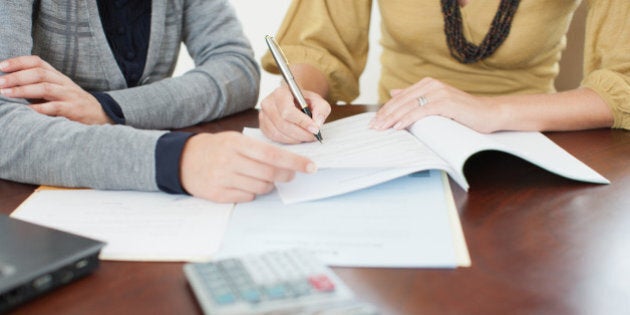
(127, 26)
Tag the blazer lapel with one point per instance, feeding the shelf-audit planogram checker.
(158, 15)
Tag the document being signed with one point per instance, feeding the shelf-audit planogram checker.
(354, 156)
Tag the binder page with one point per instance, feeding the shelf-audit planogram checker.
(350, 143)
(455, 143)
(353, 157)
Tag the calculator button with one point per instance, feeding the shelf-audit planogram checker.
(321, 283)
(217, 287)
(300, 287)
(276, 291)
(224, 298)
(251, 295)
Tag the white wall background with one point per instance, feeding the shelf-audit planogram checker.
(260, 18)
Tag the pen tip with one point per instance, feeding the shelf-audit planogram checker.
(319, 138)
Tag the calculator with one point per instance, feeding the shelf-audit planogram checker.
(277, 282)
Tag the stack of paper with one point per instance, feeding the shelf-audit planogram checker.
(140, 226)
(408, 222)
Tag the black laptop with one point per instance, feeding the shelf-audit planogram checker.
(36, 259)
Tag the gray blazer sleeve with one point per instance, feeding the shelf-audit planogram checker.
(45, 150)
(224, 81)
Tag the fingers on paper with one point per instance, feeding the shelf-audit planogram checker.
(403, 109)
(249, 184)
(263, 171)
(277, 157)
(227, 195)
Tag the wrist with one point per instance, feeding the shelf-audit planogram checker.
(499, 112)
(110, 110)
(192, 160)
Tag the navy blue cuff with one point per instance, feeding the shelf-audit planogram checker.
(168, 153)
(110, 106)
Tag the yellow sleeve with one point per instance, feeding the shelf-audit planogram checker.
(607, 56)
(330, 35)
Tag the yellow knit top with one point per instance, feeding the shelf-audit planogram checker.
(332, 35)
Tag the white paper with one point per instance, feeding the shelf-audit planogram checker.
(141, 226)
(353, 156)
(406, 222)
(333, 182)
(349, 143)
(456, 143)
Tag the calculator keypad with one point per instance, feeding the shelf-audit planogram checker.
(263, 282)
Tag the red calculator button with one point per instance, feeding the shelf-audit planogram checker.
(321, 283)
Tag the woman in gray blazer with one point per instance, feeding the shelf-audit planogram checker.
(86, 94)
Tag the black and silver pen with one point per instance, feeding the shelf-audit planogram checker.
(283, 65)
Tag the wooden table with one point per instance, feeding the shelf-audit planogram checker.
(539, 244)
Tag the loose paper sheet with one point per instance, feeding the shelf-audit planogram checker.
(141, 226)
(407, 222)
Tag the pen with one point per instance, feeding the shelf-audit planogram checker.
(283, 64)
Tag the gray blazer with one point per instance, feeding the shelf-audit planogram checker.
(68, 34)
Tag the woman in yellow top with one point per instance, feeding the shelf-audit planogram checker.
(489, 65)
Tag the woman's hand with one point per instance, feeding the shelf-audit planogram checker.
(51, 92)
(282, 121)
(432, 97)
(231, 167)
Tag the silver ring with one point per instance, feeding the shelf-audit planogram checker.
(422, 101)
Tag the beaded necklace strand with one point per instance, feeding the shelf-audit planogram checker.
(465, 51)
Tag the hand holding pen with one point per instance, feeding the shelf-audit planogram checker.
(283, 65)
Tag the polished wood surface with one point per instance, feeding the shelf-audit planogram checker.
(539, 244)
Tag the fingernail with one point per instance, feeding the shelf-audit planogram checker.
(320, 120)
(375, 123)
(2, 81)
(379, 125)
(398, 125)
(313, 129)
(311, 168)
(5, 91)
(3, 65)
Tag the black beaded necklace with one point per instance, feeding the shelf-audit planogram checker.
(463, 50)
